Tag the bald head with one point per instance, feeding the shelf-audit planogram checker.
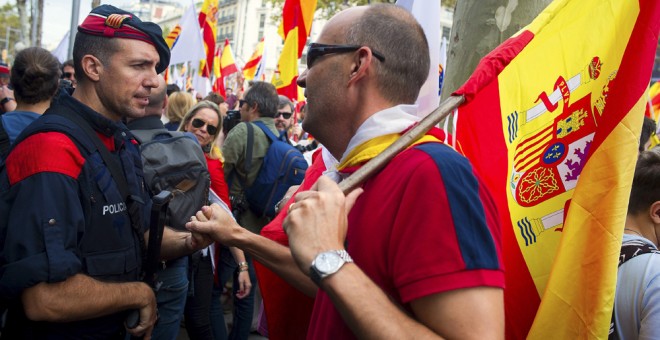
(396, 34)
(157, 99)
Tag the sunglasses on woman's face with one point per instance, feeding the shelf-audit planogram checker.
(198, 123)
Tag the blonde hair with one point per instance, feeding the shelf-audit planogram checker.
(178, 104)
(212, 149)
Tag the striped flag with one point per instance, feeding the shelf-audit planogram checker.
(173, 36)
(286, 74)
(224, 66)
(561, 105)
(251, 66)
(297, 14)
(208, 21)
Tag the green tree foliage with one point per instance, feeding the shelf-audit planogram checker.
(9, 19)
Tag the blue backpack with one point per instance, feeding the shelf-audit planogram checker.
(283, 167)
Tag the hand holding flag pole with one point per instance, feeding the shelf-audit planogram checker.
(378, 162)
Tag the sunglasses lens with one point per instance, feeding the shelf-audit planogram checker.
(285, 115)
(197, 123)
(311, 57)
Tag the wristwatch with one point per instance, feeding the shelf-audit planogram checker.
(328, 263)
(5, 100)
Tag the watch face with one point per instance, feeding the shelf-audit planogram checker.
(328, 263)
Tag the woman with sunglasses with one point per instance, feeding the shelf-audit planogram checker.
(204, 122)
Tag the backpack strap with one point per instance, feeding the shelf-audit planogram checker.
(634, 248)
(247, 164)
(113, 166)
(249, 148)
(267, 131)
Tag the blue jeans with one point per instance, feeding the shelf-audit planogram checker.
(243, 308)
(171, 298)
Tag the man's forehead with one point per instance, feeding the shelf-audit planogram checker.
(334, 30)
(131, 48)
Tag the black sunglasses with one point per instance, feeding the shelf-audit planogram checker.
(285, 115)
(318, 50)
(66, 75)
(198, 123)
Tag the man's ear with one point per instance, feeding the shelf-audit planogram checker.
(92, 67)
(360, 64)
(654, 212)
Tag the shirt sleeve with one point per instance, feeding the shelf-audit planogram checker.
(45, 217)
(453, 235)
(41, 235)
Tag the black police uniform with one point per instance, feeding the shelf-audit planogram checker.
(66, 216)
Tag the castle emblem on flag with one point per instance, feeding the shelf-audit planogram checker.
(547, 161)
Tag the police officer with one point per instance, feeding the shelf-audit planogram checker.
(72, 226)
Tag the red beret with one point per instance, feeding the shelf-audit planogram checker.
(109, 21)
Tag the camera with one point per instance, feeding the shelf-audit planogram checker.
(238, 206)
(232, 119)
(309, 147)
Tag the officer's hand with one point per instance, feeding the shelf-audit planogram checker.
(216, 223)
(148, 317)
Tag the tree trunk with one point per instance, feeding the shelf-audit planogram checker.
(40, 23)
(21, 5)
(480, 26)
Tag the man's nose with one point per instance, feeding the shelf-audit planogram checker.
(302, 79)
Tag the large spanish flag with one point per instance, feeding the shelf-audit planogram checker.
(208, 21)
(552, 122)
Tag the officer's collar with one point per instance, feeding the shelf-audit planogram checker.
(146, 123)
(98, 122)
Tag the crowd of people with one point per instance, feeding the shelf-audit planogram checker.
(414, 252)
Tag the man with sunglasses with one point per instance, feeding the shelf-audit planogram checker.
(259, 103)
(284, 116)
(418, 255)
(69, 72)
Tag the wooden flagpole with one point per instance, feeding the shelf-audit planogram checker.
(378, 162)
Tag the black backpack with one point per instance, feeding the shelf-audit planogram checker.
(174, 161)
